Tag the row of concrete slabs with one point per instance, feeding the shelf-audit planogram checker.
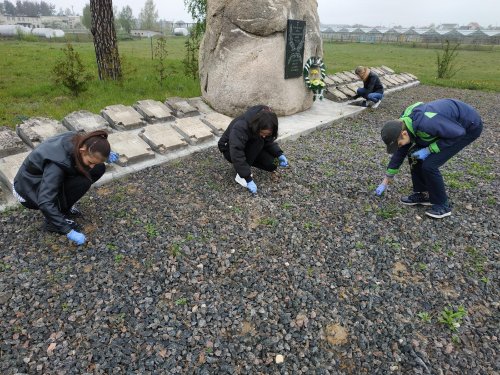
(342, 86)
(137, 133)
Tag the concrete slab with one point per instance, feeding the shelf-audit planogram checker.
(353, 86)
(408, 77)
(336, 80)
(334, 94)
(193, 130)
(153, 111)
(130, 147)
(378, 71)
(36, 130)
(9, 166)
(346, 91)
(395, 77)
(321, 114)
(162, 137)
(217, 122)
(200, 105)
(123, 117)
(412, 76)
(10, 143)
(181, 108)
(391, 80)
(404, 78)
(351, 75)
(343, 77)
(387, 69)
(386, 83)
(85, 121)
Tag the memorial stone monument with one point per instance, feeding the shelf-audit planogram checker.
(253, 53)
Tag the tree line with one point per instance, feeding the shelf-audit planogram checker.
(27, 8)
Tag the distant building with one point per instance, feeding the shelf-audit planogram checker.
(448, 26)
(60, 22)
(144, 33)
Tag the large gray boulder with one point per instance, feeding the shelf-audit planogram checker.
(242, 55)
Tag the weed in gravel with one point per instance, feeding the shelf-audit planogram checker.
(268, 221)
(118, 258)
(111, 247)
(485, 280)
(480, 170)
(64, 306)
(151, 230)
(286, 206)
(436, 248)
(189, 237)
(4, 266)
(181, 301)
(175, 250)
(424, 316)
(455, 180)
(452, 318)
(421, 267)
(475, 262)
(388, 212)
(491, 201)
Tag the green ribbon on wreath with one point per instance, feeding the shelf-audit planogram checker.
(315, 67)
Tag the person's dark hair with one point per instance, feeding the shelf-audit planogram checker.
(95, 142)
(265, 119)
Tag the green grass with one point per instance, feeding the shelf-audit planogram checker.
(27, 88)
(478, 71)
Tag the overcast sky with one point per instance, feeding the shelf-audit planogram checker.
(367, 12)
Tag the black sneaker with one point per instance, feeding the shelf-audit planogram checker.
(438, 211)
(74, 212)
(416, 199)
(49, 227)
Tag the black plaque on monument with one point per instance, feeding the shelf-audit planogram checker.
(294, 58)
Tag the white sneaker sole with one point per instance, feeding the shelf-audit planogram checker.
(240, 180)
(438, 216)
(376, 104)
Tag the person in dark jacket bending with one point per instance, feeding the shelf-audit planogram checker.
(430, 134)
(372, 89)
(57, 173)
(249, 140)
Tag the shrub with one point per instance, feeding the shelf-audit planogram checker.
(70, 71)
(446, 61)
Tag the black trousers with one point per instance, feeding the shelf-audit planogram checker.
(73, 188)
(425, 174)
(260, 159)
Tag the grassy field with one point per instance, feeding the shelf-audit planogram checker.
(27, 88)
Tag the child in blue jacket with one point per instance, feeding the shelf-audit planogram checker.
(430, 134)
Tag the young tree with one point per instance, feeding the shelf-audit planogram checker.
(126, 19)
(149, 16)
(198, 10)
(106, 47)
(86, 18)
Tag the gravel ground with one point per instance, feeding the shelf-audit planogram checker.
(186, 273)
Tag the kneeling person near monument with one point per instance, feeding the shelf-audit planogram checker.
(372, 90)
(430, 134)
(249, 140)
(57, 173)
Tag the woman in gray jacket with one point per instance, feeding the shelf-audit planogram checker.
(57, 173)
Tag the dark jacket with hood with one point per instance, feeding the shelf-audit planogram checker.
(238, 138)
(436, 125)
(40, 179)
(373, 84)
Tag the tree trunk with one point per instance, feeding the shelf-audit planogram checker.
(106, 47)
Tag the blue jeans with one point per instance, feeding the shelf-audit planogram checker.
(373, 96)
(425, 174)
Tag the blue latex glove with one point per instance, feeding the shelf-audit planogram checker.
(252, 188)
(283, 161)
(76, 237)
(422, 153)
(380, 189)
(113, 157)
